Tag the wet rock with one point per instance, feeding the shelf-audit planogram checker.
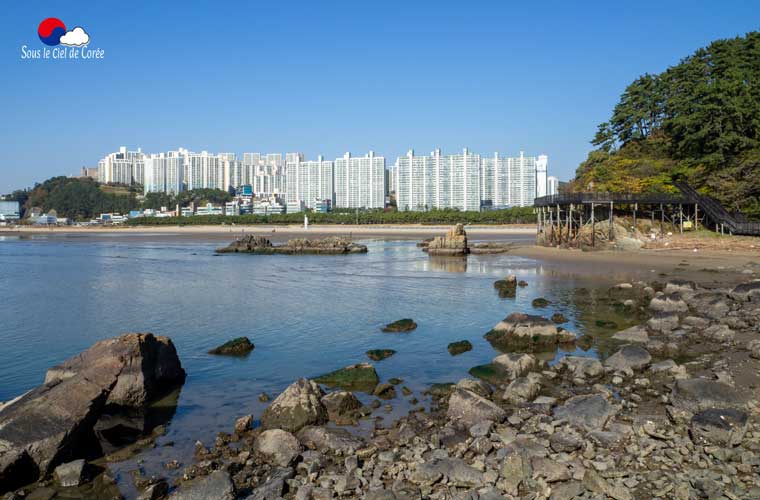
(635, 334)
(155, 491)
(522, 283)
(274, 485)
(325, 439)
(470, 408)
(70, 474)
(629, 357)
(454, 471)
(454, 243)
(380, 354)
(332, 245)
(384, 391)
(54, 423)
(299, 405)
(582, 366)
(514, 365)
(711, 305)
(399, 326)
(240, 346)
(558, 318)
(719, 426)
(565, 440)
(700, 394)
(359, 377)
(524, 331)
(216, 485)
(590, 412)
(243, 424)
(277, 447)
(342, 407)
(506, 288)
(663, 322)
(718, 333)
(459, 347)
(523, 389)
(540, 302)
(746, 291)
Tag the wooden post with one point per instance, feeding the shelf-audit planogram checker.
(696, 216)
(635, 207)
(569, 223)
(593, 226)
(559, 226)
(551, 224)
(662, 219)
(680, 216)
(610, 235)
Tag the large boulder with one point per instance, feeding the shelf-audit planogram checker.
(514, 365)
(746, 291)
(277, 447)
(581, 366)
(589, 412)
(342, 407)
(298, 406)
(523, 389)
(669, 303)
(698, 394)
(470, 408)
(453, 244)
(635, 334)
(525, 331)
(629, 357)
(358, 377)
(54, 423)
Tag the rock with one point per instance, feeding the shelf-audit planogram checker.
(455, 471)
(558, 318)
(470, 408)
(540, 302)
(710, 304)
(243, 424)
(719, 426)
(582, 366)
(402, 325)
(669, 303)
(325, 440)
(513, 473)
(216, 485)
(701, 394)
(718, 333)
(506, 287)
(663, 366)
(155, 491)
(477, 386)
(753, 346)
(523, 389)
(299, 405)
(277, 447)
(240, 346)
(264, 397)
(566, 491)
(746, 291)
(342, 407)
(628, 357)
(490, 373)
(70, 474)
(332, 245)
(359, 377)
(54, 423)
(522, 283)
(596, 484)
(521, 331)
(514, 365)
(273, 486)
(551, 470)
(566, 440)
(380, 354)
(663, 322)
(453, 244)
(589, 412)
(384, 391)
(459, 347)
(635, 334)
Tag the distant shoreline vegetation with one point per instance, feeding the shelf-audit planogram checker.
(517, 215)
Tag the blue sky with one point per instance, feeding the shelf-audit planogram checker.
(329, 77)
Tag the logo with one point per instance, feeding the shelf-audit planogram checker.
(61, 43)
(53, 32)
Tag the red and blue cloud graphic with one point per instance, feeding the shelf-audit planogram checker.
(53, 32)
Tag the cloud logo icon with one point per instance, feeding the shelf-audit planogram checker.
(76, 37)
(51, 30)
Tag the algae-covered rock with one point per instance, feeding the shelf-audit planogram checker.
(380, 354)
(540, 302)
(456, 348)
(524, 331)
(358, 377)
(402, 325)
(235, 347)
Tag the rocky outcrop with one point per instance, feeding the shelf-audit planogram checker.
(400, 326)
(298, 406)
(380, 354)
(525, 331)
(235, 347)
(462, 346)
(358, 377)
(332, 245)
(55, 423)
(453, 244)
(507, 288)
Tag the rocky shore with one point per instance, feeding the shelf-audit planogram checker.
(672, 412)
(332, 245)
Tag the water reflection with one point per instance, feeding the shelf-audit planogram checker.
(448, 264)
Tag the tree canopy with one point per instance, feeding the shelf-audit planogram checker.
(698, 120)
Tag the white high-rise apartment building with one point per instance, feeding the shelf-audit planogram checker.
(552, 185)
(541, 185)
(164, 172)
(122, 167)
(309, 182)
(360, 181)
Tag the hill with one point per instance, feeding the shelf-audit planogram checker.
(698, 121)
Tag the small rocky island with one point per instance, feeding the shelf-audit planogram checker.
(332, 245)
(454, 244)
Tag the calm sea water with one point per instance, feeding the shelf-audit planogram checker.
(306, 314)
